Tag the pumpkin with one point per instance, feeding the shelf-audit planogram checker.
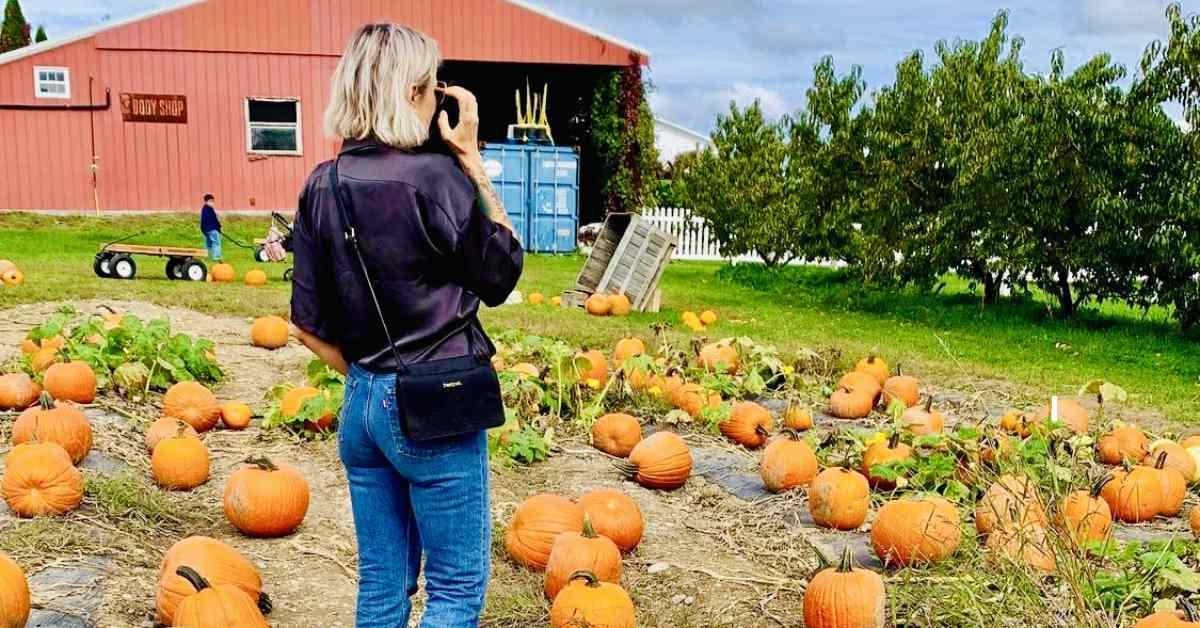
(556, 301)
(192, 403)
(112, 319)
(1190, 441)
(1012, 501)
(536, 524)
(70, 381)
(902, 388)
(662, 460)
(575, 551)
(1121, 444)
(266, 500)
(1070, 413)
(923, 420)
(616, 434)
(17, 391)
(615, 515)
(210, 607)
(839, 498)
(293, 402)
(884, 452)
(708, 317)
(787, 462)
(535, 298)
(1086, 516)
(693, 399)
(1014, 422)
(52, 422)
(1174, 487)
(12, 277)
(525, 370)
(269, 332)
(669, 385)
(43, 359)
(588, 602)
(845, 597)
(719, 357)
(627, 348)
(215, 561)
(849, 403)
(1176, 457)
(875, 367)
(222, 272)
(1027, 546)
(749, 425)
(180, 462)
(255, 277)
(40, 481)
(1194, 521)
(596, 366)
(166, 427)
(695, 325)
(798, 417)
(1171, 619)
(909, 531)
(619, 305)
(690, 317)
(992, 447)
(14, 594)
(598, 305)
(235, 415)
(1136, 495)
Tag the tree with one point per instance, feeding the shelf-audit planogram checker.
(41, 34)
(14, 31)
(623, 141)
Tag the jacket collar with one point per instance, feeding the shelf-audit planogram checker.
(353, 145)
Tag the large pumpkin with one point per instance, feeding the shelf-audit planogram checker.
(662, 460)
(588, 602)
(215, 561)
(269, 332)
(908, 531)
(788, 462)
(1136, 495)
(627, 348)
(1071, 413)
(902, 388)
(1174, 486)
(17, 391)
(70, 381)
(40, 481)
(923, 420)
(720, 357)
(595, 366)
(1011, 502)
(616, 434)
(293, 401)
(839, 498)
(192, 403)
(58, 423)
(210, 607)
(14, 594)
(1121, 444)
(266, 500)
(881, 453)
(180, 462)
(874, 366)
(749, 425)
(222, 272)
(1174, 457)
(1086, 516)
(845, 596)
(575, 551)
(862, 383)
(851, 403)
(536, 524)
(615, 515)
(166, 427)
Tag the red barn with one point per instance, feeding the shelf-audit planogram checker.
(227, 97)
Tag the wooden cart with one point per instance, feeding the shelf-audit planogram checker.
(115, 261)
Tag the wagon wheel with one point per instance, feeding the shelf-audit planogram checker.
(193, 269)
(123, 267)
(260, 254)
(174, 268)
(101, 265)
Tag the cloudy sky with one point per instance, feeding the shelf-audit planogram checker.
(705, 53)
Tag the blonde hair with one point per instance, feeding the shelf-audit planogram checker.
(370, 87)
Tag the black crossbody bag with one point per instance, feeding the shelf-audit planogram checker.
(438, 398)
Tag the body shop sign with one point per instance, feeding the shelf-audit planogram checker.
(154, 108)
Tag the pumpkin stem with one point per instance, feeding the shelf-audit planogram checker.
(894, 440)
(1099, 484)
(929, 403)
(107, 307)
(791, 433)
(262, 462)
(192, 576)
(762, 431)
(592, 580)
(1189, 610)
(265, 606)
(180, 428)
(588, 531)
(847, 563)
(46, 401)
(1161, 460)
(628, 469)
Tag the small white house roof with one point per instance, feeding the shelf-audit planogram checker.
(699, 137)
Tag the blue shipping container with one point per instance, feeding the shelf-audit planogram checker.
(539, 186)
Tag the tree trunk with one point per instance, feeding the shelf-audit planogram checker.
(1062, 290)
(991, 288)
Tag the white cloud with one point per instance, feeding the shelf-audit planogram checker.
(1113, 17)
(744, 94)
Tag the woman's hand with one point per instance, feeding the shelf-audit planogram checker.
(464, 138)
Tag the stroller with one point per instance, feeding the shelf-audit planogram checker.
(277, 244)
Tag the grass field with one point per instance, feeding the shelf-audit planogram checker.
(949, 334)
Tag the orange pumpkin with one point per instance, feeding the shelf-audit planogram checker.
(616, 434)
(525, 370)
(798, 417)
(598, 305)
(615, 515)
(235, 415)
(1027, 547)
(180, 462)
(1172, 619)
(1194, 521)
(40, 481)
(787, 463)
(1174, 457)
(848, 403)
(627, 348)
(269, 332)
(875, 367)
(17, 391)
(909, 531)
(58, 423)
(719, 357)
(1174, 487)
(1136, 495)
(619, 305)
(14, 594)
(596, 366)
(266, 500)
(708, 317)
(924, 420)
(845, 597)
(1071, 413)
(535, 298)
(693, 399)
(588, 602)
(661, 460)
(881, 453)
(1190, 441)
(536, 524)
(255, 277)
(192, 403)
(862, 383)
(222, 272)
(293, 402)
(1085, 516)
(43, 359)
(839, 498)
(167, 427)
(209, 606)
(575, 551)
(1121, 444)
(216, 562)
(1011, 502)
(902, 388)
(749, 425)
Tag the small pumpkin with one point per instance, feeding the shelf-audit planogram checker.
(216, 562)
(40, 481)
(708, 317)
(661, 460)
(1194, 521)
(850, 403)
(615, 515)
(1135, 495)
(535, 298)
(17, 391)
(222, 273)
(839, 498)
(616, 434)
(1014, 422)
(845, 596)
(575, 551)
(1070, 413)
(902, 388)
(14, 594)
(180, 462)
(525, 370)
(883, 452)
(1012, 501)
(787, 463)
(266, 500)
(689, 316)
(70, 381)
(293, 402)
(1085, 516)
(874, 366)
(255, 277)
(269, 332)
(693, 399)
(166, 427)
(720, 357)
(210, 607)
(1121, 444)
(235, 415)
(911, 531)
(627, 348)
(619, 305)
(798, 417)
(192, 403)
(749, 425)
(595, 365)
(588, 602)
(556, 301)
(1176, 457)
(1027, 546)
(44, 359)
(598, 305)
(50, 422)
(923, 420)
(536, 524)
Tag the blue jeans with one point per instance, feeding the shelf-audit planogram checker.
(410, 498)
(212, 242)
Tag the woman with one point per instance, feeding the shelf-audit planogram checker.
(437, 241)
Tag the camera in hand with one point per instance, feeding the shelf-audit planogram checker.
(435, 143)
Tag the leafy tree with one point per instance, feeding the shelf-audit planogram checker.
(14, 31)
(623, 141)
(41, 34)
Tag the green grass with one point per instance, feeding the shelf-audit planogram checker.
(947, 336)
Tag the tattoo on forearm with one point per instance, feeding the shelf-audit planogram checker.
(491, 201)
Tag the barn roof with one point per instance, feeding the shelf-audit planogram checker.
(560, 22)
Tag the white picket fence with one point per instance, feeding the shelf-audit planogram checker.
(695, 240)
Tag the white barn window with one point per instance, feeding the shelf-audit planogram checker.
(51, 82)
(273, 126)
